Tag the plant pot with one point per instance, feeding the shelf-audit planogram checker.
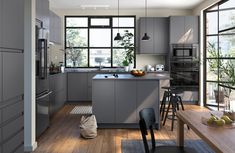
(126, 68)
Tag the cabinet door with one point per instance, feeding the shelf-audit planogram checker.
(13, 75)
(1, 73)
(89, 92)
(161, 35)
(57, 21)
(146, 47)
(52, 27)
(103, 101)
(1, 29)
(12, 24)
(77, 86)
(177, 29)
(125, 103)
(191, 29)
(148, 96)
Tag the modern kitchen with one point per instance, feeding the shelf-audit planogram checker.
(120, 67)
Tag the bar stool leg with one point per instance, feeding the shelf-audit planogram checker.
(167, 111)
(163, 105)
(174, 107)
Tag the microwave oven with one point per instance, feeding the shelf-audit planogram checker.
(185, 51)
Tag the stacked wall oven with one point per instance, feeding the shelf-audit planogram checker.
(184, 66)
(42, 83)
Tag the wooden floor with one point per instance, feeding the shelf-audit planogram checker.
(63, 135)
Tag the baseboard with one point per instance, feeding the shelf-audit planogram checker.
(31, 147)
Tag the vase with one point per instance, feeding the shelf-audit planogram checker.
(126, 68)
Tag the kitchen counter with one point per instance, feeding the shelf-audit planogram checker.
(148, 76)
(116, 101)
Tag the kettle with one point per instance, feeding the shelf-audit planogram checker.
(148, 68)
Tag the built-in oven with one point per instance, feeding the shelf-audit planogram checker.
(184, 65)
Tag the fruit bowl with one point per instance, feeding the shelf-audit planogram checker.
(137, 73)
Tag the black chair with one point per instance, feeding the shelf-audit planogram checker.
(147, 121)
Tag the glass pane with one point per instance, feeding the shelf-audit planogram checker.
(211, 93)
(100, 57)
(226, 19)
(118, 57)
(76, 57)
(211, 23)
(100, 22)
(100, 37)
(228, 97)
(227, 73)
(123, 22)
(227, 45)
(76, 37)
(76, 22)
(228, 4)
(211, 70)
(212, 47)
(126, 33)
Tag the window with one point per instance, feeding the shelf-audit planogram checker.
(89, 40)
(220, 53)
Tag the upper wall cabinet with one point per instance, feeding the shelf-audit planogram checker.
(42, 12)
(12, 24)
(158, 30)
(55, 28)
(184, 29)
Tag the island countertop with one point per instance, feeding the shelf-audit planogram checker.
(148, 76)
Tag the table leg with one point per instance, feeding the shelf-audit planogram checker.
(180, 132)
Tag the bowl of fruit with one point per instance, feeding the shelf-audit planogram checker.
(217, 121)
(137, 73)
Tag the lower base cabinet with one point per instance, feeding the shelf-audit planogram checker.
(119, 101)
(58, 88)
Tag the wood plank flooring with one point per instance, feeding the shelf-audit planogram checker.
(63, 135)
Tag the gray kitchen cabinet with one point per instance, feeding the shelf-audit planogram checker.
(1, 87)
(148, 96)
(89, 85)
(103, 100)
(13, 75)
(146, 25)
(161, 35)
(158, 30)
(125, 101)
(77, 87)
(12, 144)
(55, 28)
(12, 24)
(57, 84)
(184, 29)
(42, 12)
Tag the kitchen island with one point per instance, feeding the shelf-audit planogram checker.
(118, 98)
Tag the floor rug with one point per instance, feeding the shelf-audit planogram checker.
(137, 146)
(81, 110)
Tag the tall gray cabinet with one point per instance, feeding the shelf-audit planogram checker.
(184, 29)
(158, 30)
(11, 76)
(55, 28)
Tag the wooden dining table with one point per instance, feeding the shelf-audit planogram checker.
(220, 139)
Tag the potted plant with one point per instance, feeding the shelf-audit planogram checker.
(128, 43)
(126, 65)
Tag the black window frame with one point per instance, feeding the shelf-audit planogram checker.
(100, 27)
(219, 33)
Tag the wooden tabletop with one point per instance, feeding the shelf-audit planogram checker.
(220, 139)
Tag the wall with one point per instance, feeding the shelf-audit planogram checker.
(207, 3)
(141, 60)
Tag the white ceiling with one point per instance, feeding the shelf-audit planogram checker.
(124, 4)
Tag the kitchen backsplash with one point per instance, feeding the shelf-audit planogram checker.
(55, 54)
